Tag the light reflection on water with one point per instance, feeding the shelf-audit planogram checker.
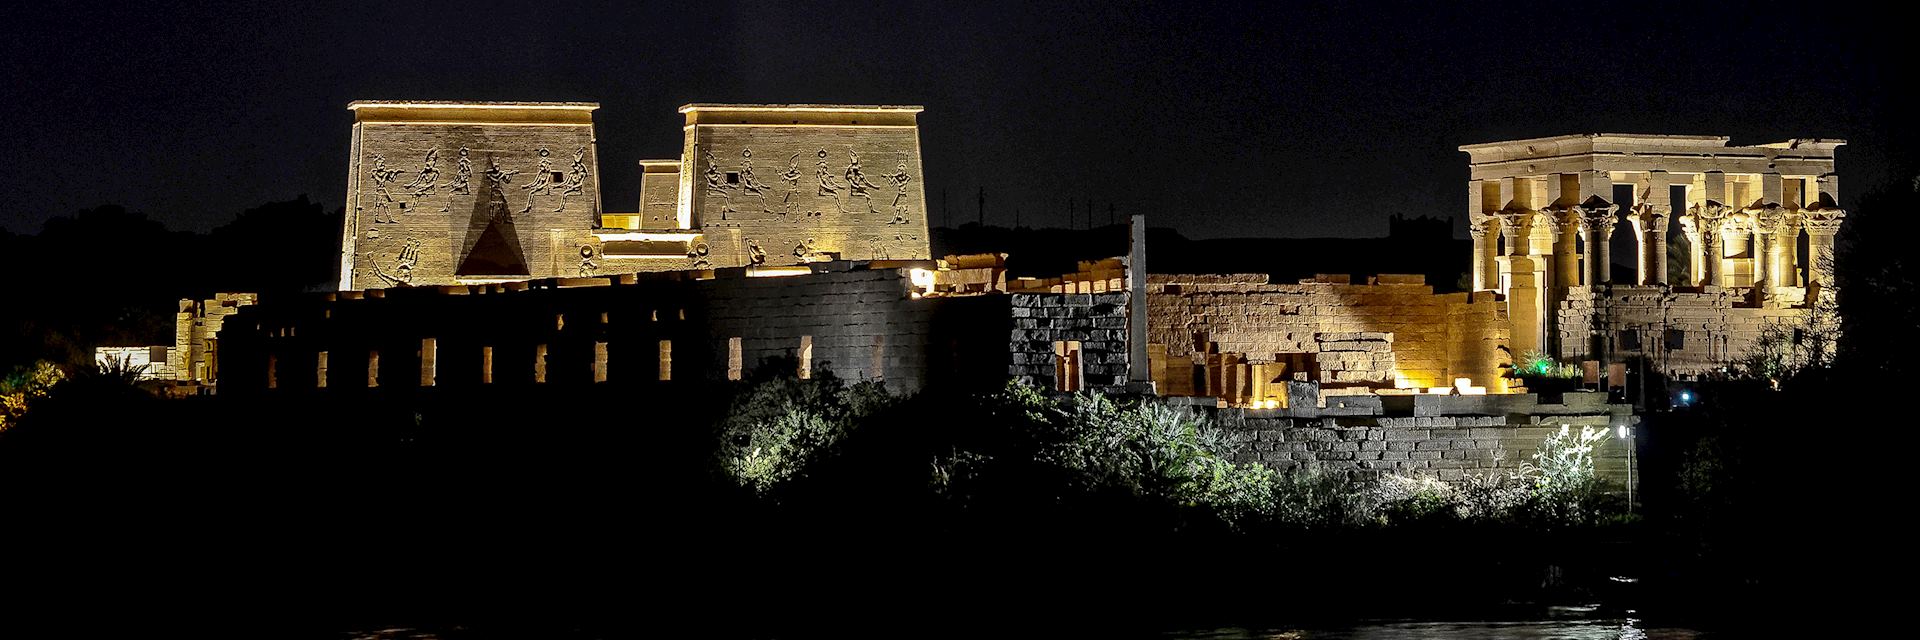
(1605, 629)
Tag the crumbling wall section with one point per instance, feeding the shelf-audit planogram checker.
(1392, 331)
(1043, 321)
(1445, 437)
(1686, 333)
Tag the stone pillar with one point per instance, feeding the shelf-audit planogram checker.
(1821, 224)
(1696, 255)
(1525, 308)
(1650, 235)
(1704, 232)
(1734, 241)
(1597, 216)
(1565, 223)
(1486, 243)
(1766, 220)
(1786, 240)
(1650, 222)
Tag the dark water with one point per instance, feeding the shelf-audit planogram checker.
(1558, 629)
(1569, 629)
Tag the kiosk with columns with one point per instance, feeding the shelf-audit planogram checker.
(1756, 223)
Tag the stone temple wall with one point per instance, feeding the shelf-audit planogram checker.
(1686, 333)
(641, 332)
(1392, 330)
(1447, 437)
(782, 195)
(469, 193)
(1097, 322)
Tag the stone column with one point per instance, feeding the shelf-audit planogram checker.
(1705, 234)
(1766, 220)
(1734, 240)
(1821, 225)
(1650, 232)
(1525, 308)
(1485, 230)
(1565, 223)
(1597, 216)
(1697, 255)
(1786, 240)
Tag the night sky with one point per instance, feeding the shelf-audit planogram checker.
(1218, 120)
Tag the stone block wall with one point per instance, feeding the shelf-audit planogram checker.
(1472, 436)
(1097, 321)
(774, 186)
(1716, 325)
(1392, 330)
(860, 323)
(499, 191)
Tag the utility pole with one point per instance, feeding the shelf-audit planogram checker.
(946, 212)
(1110, 219)
(982, 203)
(1089, 213)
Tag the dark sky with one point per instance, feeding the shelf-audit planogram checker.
(1216, 119)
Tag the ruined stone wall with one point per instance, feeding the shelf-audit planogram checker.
(196, 335)
(861, 324)
(153, 361)
(431, 203)
(1339, 334)
(1451, 438)
(782, 195)
(1715, 326)
(1097, 321)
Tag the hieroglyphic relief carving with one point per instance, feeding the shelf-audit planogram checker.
(750, 184)
(698, 257)
(462, 173)
(829, 188)
(792, 176)
(717, 184)
(755, 255)
(857, 184)
(576, 178)
(403, 265)
(423, 184)
(900, 178)
(383, 197)
(587, 265)
(541, 179)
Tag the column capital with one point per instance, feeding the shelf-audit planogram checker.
(1771, 219)
(1823, 220)
(1562, 218)
(1736, 222)
(1710, 213)
(1690, 225)
(1597, 213)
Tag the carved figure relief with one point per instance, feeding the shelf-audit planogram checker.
(857, 183)
(900, 178)
(792, 176)
(462, 172)
(587, 266)
(541, 179)
(805, 250)
(698, 258)
(829, 188)
(755, 255)
(423, 184)
(382, 195)
(717, 184)
(750, 184)
(403, 264)
(576, 178)
(497, 176)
